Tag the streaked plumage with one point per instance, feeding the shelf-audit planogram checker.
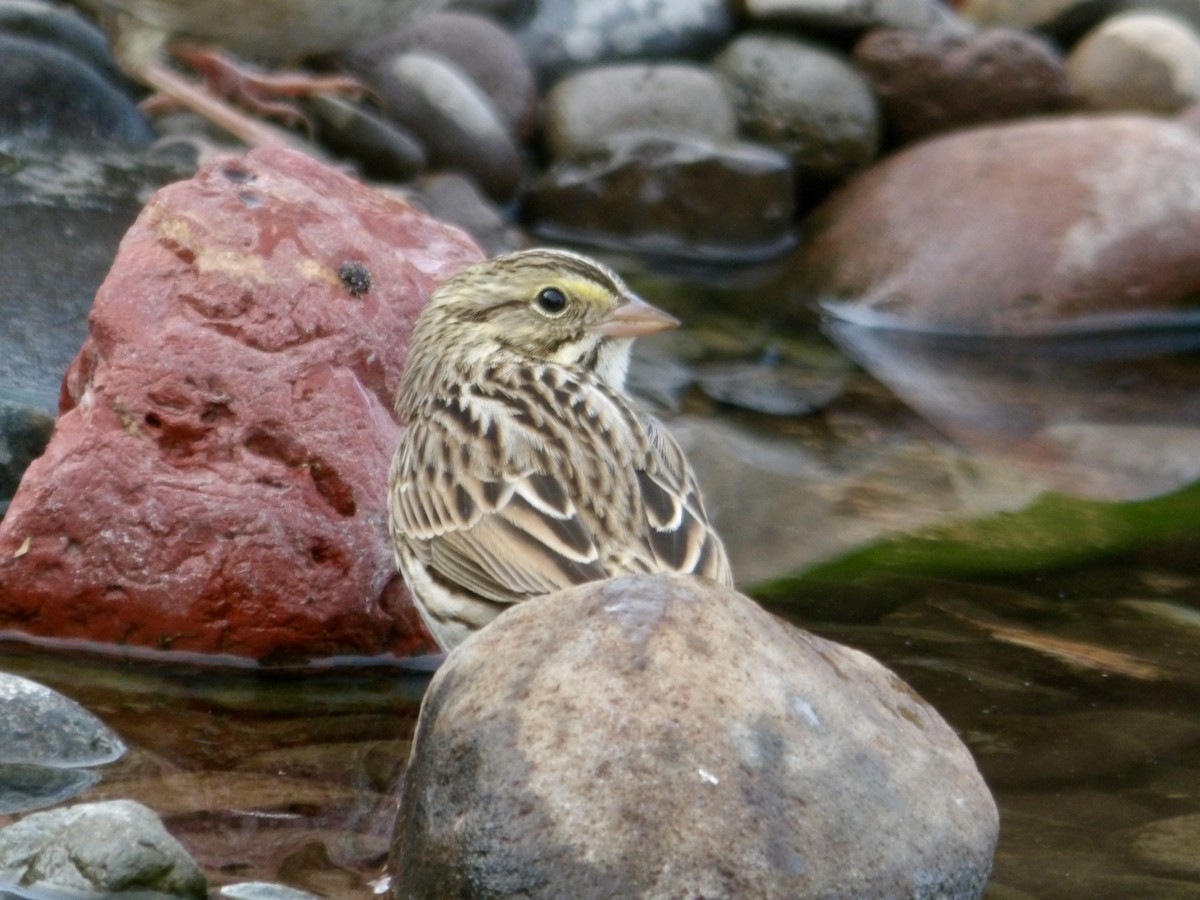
(525, 467)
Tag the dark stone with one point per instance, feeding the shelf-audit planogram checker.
(935, 81)
(381, 148)
(676, 196)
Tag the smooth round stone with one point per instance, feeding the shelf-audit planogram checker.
(667, 737)
(26, 787)
(933, 81)
(64, 28)
(47, 93)
(459, 126)
(98, 849)
(584, 110)
(804, 100)
(1147, 61)
(477, 45)
(39, 726)
(381, 147)
(670, 195)
(1038, 227)
(916, 14)
(566, 35)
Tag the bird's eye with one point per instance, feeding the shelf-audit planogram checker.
(551, 300)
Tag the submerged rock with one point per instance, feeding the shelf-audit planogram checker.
(666, 737)
(216, 479)
(1042, 226)
(98, 850)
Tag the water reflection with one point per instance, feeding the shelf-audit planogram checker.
(1109, 417)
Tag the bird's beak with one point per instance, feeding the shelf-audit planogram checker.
(634, 318)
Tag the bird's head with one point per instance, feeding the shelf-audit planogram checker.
(541, 305)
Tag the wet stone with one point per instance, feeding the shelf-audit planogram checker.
(802, 769)
(98, 849)
(380, 147)
(453, 118)
(934, 81)
(739, 198)
(41, 726)
(804, 100)
(915, 14)
(584, 110)
(566, 35)
(487, 53)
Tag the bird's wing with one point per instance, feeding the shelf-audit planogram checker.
(677, 528)
(488, 517)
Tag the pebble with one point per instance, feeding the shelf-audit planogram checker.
(671, 195)
(850, 14)
(1147, 61)
(381, 148)
(933, 81)
(584, 110)
(48, 94)
(566, 35)
(487, 53)
(99, 849)
(453, 198)
(804, 100)
(456, 122)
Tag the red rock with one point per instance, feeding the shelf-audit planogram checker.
(216, 478)
(1073, 223)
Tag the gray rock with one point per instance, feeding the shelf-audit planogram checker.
(915, 14)
(98, 849)
(670, 195)
(456, 199)
(45, 740)
(566, 35)
(939, 80)
(459, 126)
(487, 53)
(584, 110)
(48, 94)
(1146, 61)
(804, 100)
(78, 203)
(381, 147)
(62, 27)
(42, 727)
(666, 737)
(1036, 227)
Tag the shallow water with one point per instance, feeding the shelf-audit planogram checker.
(1016, 532)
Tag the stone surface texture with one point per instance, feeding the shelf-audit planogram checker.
(98, 849)
(666, 737)
(216, 479)
(931, 81)
(1034, 227)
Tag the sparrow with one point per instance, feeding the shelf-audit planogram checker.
(525, 467)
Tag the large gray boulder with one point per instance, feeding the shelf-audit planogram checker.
(667, 737)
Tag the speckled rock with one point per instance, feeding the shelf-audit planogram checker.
(666, 737)
(454, 119)
(584, 110)
(932, 81)
(215, 481)
(565, 35)
(1147, 61)
(804, 100)
(98, 850)
(477, 45)
(739, 198)
(1036, 227)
